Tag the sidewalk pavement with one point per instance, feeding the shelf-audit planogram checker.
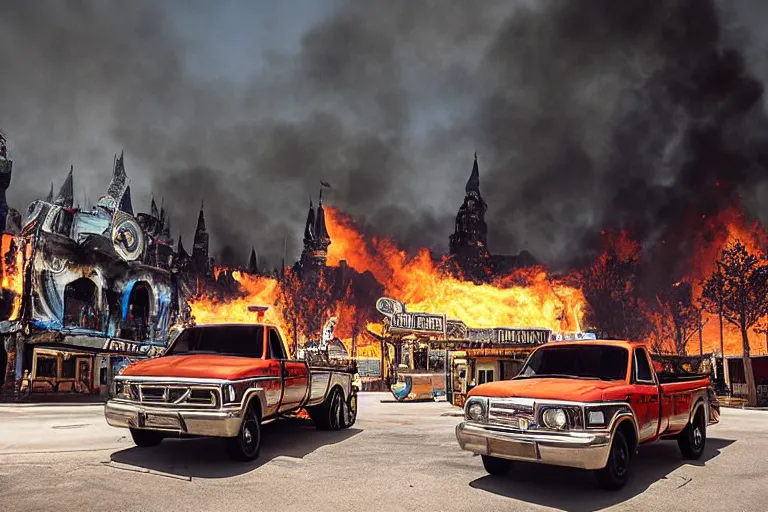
(49, 399)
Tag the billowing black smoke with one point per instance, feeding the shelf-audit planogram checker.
(585, 115)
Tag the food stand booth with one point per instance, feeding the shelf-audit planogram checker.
(435, 356)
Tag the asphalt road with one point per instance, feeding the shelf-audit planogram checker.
(399, 456)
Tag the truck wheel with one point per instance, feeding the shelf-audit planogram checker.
(693, 438)
(329, 414)
(350, 411)
(495, 465)
(616, 472)
(246, 445)
(146, 438)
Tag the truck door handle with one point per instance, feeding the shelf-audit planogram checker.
(653, 399)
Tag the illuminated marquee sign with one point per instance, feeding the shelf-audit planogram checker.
(421, 322)
(456, 330)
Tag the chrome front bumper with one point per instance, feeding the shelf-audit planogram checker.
(585, 450)
(216, 423)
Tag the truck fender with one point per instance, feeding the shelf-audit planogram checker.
(627, 416)
(700, 402)
(342, 381)
(260, 395)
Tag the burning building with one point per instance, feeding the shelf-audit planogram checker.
(85, 289)
(468, 245)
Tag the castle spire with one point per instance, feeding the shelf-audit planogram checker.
(119, 181)
(125, 203)
(153, 209)
(253, 262)
(200, 260)
(66, 196)
(473, 183)
(309, 227)
(321, 232)
(200, 220)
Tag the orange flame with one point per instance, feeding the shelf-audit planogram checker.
(12, 266)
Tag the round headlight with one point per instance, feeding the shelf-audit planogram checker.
(475, 411)
(554, 418)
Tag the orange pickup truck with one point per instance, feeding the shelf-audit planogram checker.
(589, 405)
(226, 381)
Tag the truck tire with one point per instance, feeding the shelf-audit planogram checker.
(330, 414)
(693, 438)
(350, 411)
(495, 465)
(245, 446)
(616, 472)
(146, 438)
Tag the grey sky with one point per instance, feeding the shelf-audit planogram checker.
(249, 104)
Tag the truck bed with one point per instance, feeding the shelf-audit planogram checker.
(673, 377)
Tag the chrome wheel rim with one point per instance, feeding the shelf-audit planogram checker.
(697, 436)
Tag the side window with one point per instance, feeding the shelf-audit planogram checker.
(276, 350)
(643, 371)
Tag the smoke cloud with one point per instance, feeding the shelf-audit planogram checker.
(585, 116)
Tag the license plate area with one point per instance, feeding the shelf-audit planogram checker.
(512, 449)
(149, 420)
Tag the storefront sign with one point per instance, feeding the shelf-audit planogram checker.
(418, 322)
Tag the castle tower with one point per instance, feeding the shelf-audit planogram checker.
(200, 260)
(469, 240)
(66, 197)
(6, 165)
(253, 263)
(322, 239)
(119, 182)
(316, 238)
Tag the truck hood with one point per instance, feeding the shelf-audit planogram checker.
(198, 366)
(548, 389)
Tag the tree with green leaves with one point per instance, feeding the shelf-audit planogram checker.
(738, 289)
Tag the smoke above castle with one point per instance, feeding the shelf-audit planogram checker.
(584, 115)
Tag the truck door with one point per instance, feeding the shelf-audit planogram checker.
(644, 397)
(294, 373)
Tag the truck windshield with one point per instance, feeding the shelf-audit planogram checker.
(231, 340)
(602, 362)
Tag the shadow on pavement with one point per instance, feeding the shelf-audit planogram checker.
(576, 490)
(207, 457)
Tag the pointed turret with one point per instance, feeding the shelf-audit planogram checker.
(321, 232)
(200, 247)
(153, 209)
(253, 263)
(473, 183)
(125, 203)
(166, 234)
(65, 196)
(201, 220)
(49, 199)
(309, 227)
(6, 168)
(469, 240)
(180, 250)
(119, 181)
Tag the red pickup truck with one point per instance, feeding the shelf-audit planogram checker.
(226, 381)
(586, 404)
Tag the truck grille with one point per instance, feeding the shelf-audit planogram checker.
(509, 413)
(173, 394)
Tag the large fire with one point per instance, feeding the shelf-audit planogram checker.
(526, 298)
